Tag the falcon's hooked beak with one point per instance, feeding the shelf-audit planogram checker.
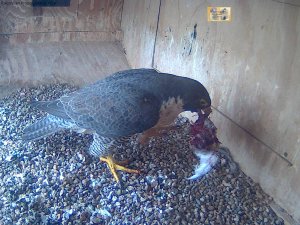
(206, 111)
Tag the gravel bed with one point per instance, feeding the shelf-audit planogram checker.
(54, 180)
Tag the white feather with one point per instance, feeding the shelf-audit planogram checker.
(207, 161)
(191, 116)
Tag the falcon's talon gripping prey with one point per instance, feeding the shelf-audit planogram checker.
(138, 101)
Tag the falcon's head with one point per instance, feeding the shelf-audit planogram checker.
(203, 103)
(197, 98)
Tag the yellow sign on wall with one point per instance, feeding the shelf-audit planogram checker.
(218, 14)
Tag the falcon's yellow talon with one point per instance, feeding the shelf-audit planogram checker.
(113, 166)
(122, 168)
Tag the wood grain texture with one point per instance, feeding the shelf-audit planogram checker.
(251, 67)
(23, 18)
(254, 91)
(74, 62)
(59, 36)
(139, 22)
(100, 15)
(81, 16)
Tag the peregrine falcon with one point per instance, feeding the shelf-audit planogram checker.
(136, 101)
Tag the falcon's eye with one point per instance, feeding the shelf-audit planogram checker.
(203, 103)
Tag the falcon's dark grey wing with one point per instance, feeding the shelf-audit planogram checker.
(127, 102)
(57, 108)
(113, 109)
(132, 73)
(52, 107)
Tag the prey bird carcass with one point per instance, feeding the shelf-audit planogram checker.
(204, 142)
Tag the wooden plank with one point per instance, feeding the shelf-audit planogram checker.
(78, 62)
(244, 72)
(59, 36)
(100, 15)
(251, 67)
(23, 18)
(139, 22)
(69, 12)
(104, 15)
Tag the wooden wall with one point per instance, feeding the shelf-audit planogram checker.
(251, 68)
(77, 44)
(140, 28)
(84, 20)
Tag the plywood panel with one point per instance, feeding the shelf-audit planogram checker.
(81, 16)
(60, 36)
(76, 62)
(139, 23)
(21, 18)
(100, 15)
(252, 71)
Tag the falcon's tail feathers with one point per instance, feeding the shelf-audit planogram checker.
(41, 128)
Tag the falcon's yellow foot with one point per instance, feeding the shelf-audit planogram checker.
(114, 166)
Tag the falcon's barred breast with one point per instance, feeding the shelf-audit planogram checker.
(121, 105)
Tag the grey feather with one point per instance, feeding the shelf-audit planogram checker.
(44, 127)
(113, 110)
(101, 146)
(55, 108)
